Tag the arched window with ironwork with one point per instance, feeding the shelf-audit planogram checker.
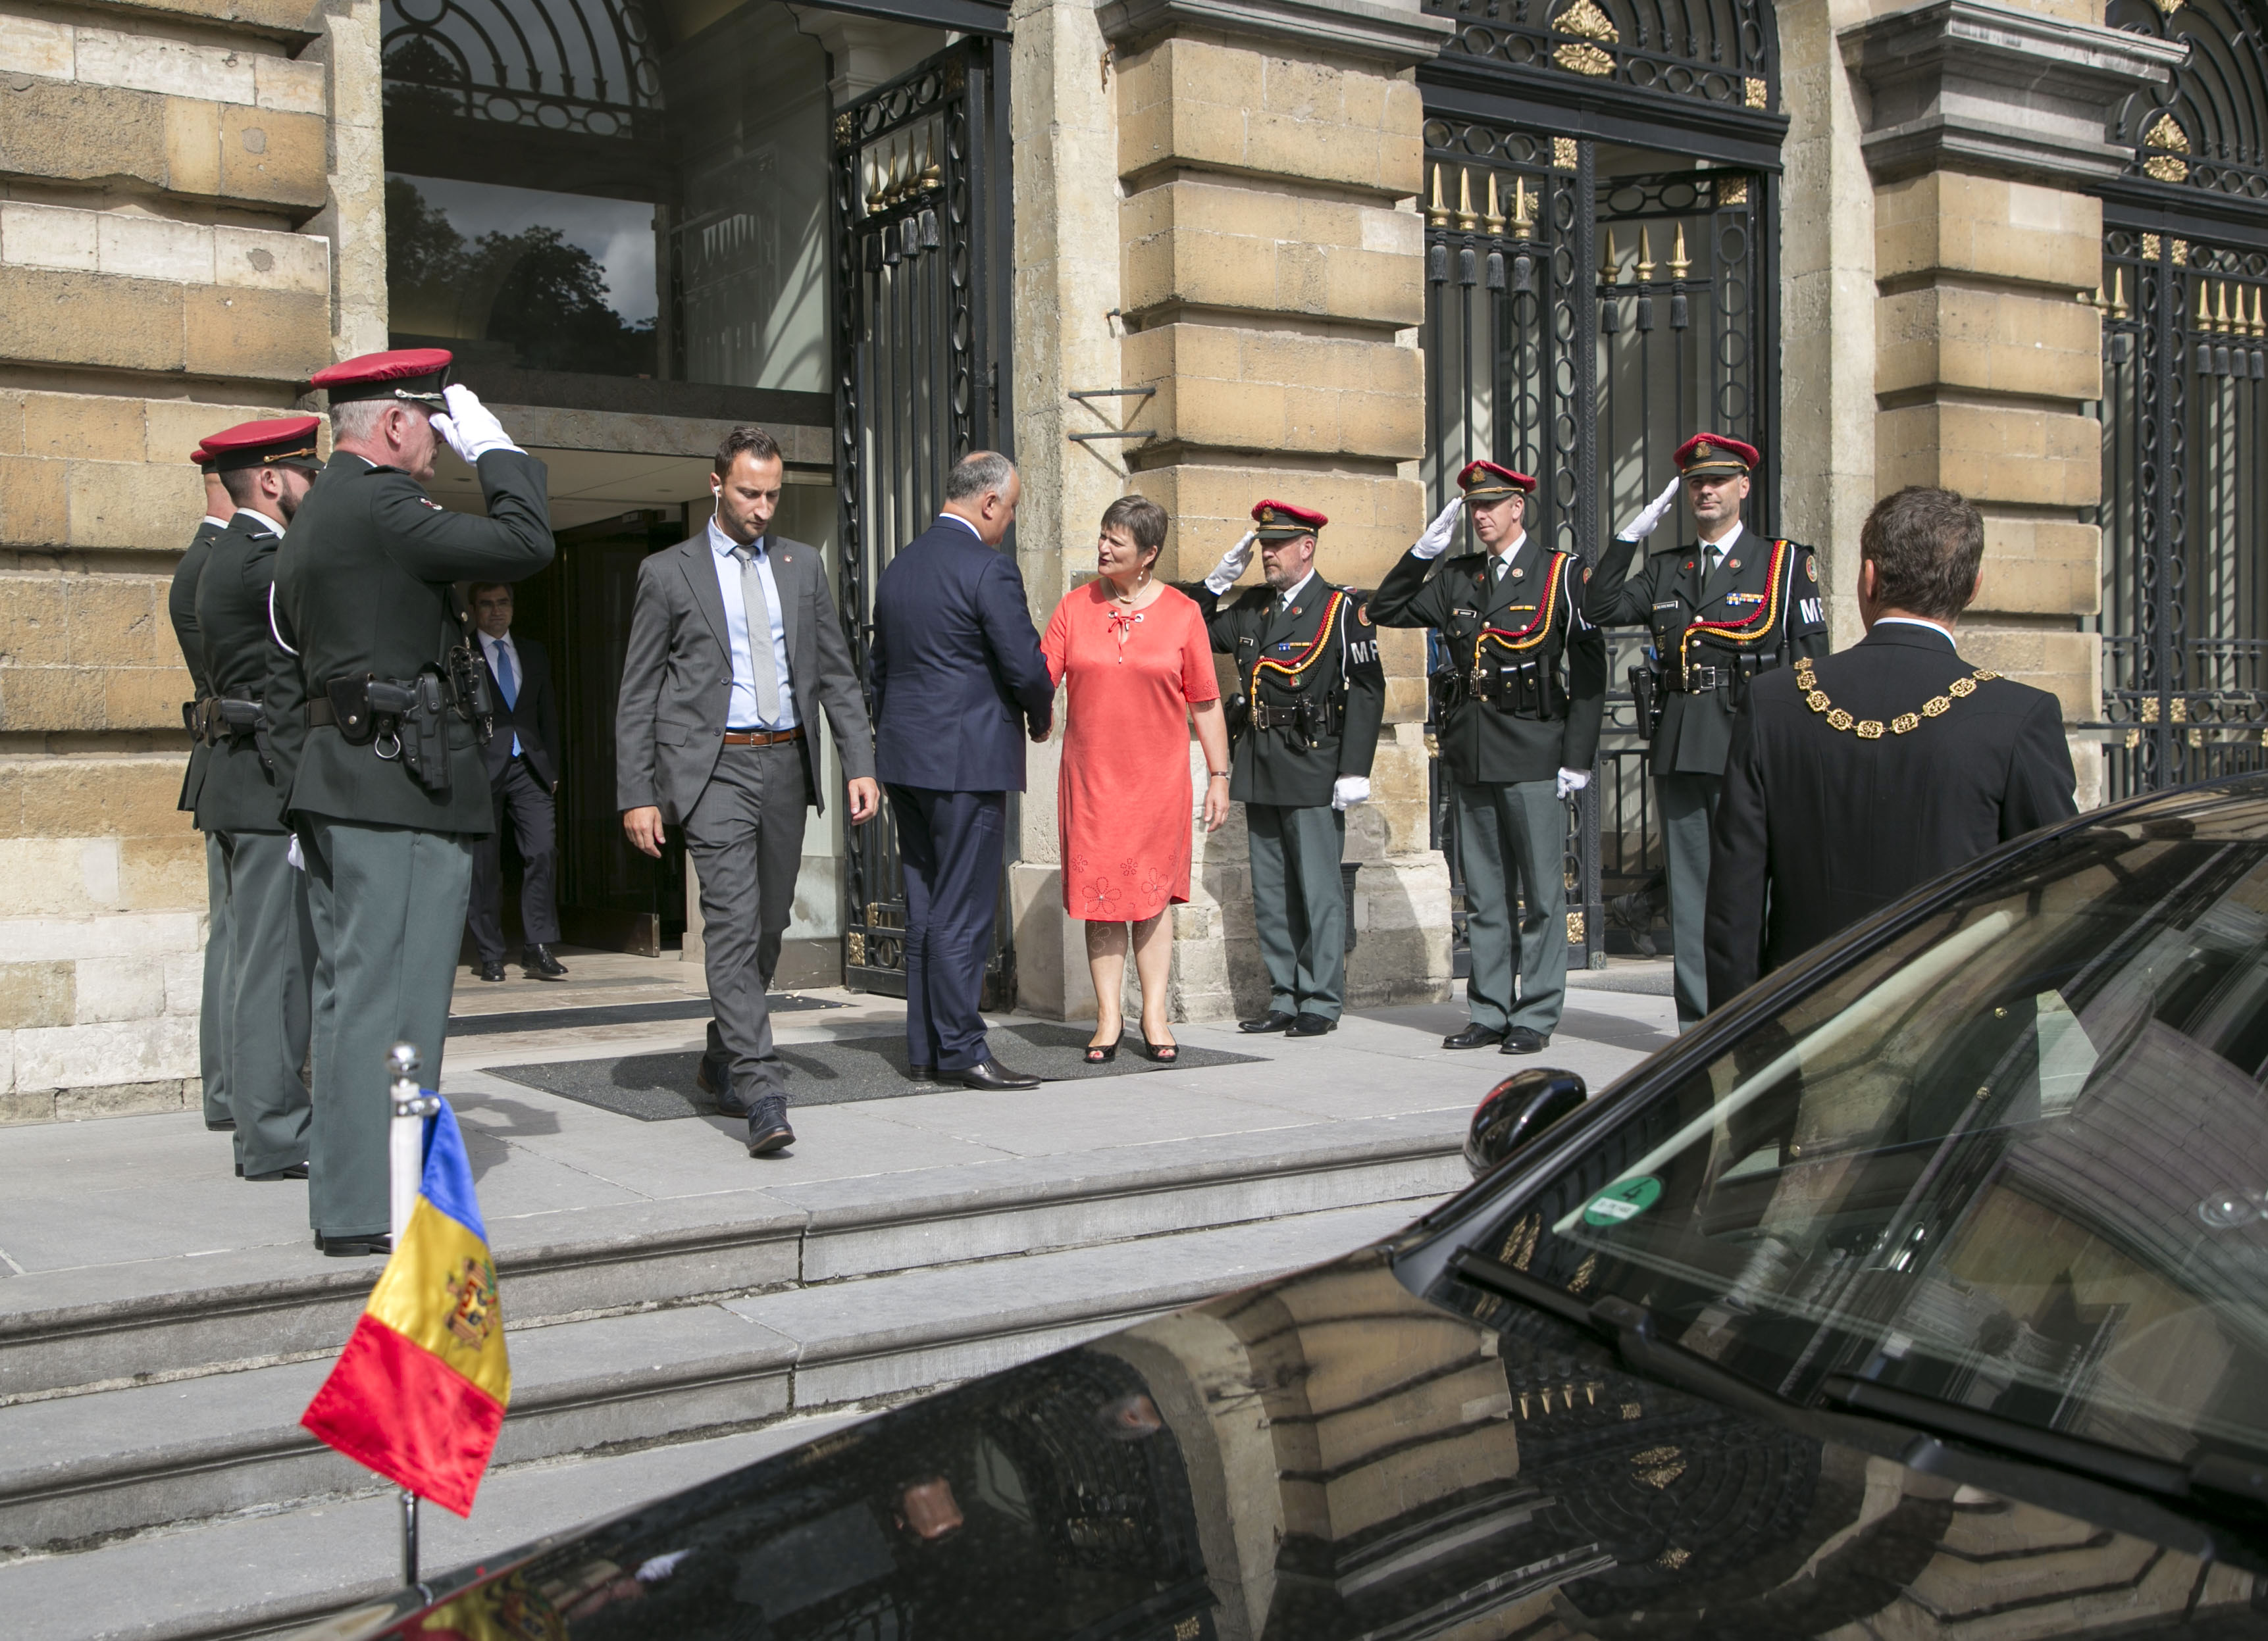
(2184, 407)
(1600, 284)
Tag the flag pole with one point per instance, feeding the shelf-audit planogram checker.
(405, 1172)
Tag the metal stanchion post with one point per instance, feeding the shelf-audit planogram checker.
(406, 1169)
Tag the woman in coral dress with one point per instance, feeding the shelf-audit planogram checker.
(1140, 667)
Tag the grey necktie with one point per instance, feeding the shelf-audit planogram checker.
(756, 611)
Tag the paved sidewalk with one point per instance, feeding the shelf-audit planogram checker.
(130, 1206)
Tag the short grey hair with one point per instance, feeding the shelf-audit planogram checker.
(358, 418)
(979, 473)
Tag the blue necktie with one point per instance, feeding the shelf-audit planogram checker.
(509, 685)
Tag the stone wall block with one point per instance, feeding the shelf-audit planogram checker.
(37, 994)
(35, 511)
(31, 45)
(155, 63)
(112, 989)
(192, 160)
(153, 247)
(269, 154)
(2040, 567)
(1990, 340)
(177, 426)
(86, 797)
(163, 874)
(84, 319)
(84, 425)
(82, 132)
(118, 620)
(91, 1057)
(2034, 458)
(2017, 231)
(256, 333)
(50, 698)
(143, 697)
(35, 628)
(154, 507)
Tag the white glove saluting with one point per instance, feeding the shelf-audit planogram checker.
(1350, 790)
(1440, 532)
(1232, 564)
(1573, 781)
(1650, 517)
(470, 427)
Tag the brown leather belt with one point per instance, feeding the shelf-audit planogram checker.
(762, 737)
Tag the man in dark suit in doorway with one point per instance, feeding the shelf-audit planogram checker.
(1855, 779)
(959, 680)
(523, 764)
(734, 648)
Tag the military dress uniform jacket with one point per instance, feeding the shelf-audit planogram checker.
(1295, 657)
(240, 794)
(1537, 606)
(363, 586)
(182, 606)
(1761, 608)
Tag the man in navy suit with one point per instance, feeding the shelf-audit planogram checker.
(957, 666)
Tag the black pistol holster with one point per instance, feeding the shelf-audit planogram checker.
(468, 682)
(398, 717)
(1526, 689)
(228, 717)
(1646, 694)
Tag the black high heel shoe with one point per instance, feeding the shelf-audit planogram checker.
(1102, 1053)
(1163, 1053)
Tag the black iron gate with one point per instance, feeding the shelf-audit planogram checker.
(921, 256)
(1580, 326)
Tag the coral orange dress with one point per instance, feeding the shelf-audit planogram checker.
(1124, 806)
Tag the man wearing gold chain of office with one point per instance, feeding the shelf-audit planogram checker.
(1720, 610)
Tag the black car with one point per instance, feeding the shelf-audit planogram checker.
(1922, 1292)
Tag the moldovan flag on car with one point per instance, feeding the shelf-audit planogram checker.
(418, 1394)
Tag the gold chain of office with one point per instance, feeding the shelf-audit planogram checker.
(1872, 729)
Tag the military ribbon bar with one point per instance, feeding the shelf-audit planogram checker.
(419, 1393)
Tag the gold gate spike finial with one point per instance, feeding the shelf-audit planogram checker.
(2221, 320)
(1437, 214)
(1610, 265)
(1678, 264)
(1644, 258)
(1466, 219)
(1493, 223)
(1522, 215)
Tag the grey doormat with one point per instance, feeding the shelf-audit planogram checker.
(611, 1014)
(1653, 980)
(658, 1087)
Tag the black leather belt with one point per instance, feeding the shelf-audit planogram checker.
(1701, 679)
(762, 737)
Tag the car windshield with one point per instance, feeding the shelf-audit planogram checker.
(2014, 1160)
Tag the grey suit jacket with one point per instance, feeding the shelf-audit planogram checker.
(677, 677)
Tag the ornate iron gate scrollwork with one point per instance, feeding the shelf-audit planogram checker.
(1579, 327)
(921, 209)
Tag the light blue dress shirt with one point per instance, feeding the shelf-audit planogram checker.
(741, 713)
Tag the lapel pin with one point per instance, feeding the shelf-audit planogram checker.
(1689, 563)
(1295, 610)
(1518, 574)
(1734, 563)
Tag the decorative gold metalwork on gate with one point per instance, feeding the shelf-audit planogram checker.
(1590, 26)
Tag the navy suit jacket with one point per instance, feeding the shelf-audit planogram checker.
(958, 672)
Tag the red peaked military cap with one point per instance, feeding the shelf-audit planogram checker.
(1713, 452)
(417, 374)
(1486, 481)
(287, 442)
(204, 458)
(1280, 521)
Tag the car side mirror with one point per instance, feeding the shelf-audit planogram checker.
(1515, 1111)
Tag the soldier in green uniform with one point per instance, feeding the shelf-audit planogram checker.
(1720, 611)
(1310, 694)
(267, 468)
(181, 607)
(1518, 728)
(375, 706)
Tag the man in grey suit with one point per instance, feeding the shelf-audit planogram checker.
(732, 639)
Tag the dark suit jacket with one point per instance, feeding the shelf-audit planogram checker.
(534, 716)
(181, 607)
(1818, 827)
(958, 673)
(239, 793)
(677, 676)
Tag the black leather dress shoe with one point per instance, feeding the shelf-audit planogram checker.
(226, 1125)
(353, 1246)
(492, 971)
(536, 958)
(922, 1073)
(1275, 1019)
(1473, 1037)
(288, 1171)
(713, 1079)
(1522, 1040)
(989, 1073)
(768, 1129)
(1312, 1025)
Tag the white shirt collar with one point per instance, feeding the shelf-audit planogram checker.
(724, 546)
(217, 523)
(492, 643)
(1723, 544)
(1510, 552)
(261, 521)
(1938, 627)
(1293, 591)
(956, 519)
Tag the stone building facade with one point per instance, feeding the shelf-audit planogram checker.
(1221, 249)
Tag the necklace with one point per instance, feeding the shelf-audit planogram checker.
(1141, 580)
(1871, 729)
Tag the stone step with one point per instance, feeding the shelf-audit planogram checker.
(75, 1470)
(156, 1321)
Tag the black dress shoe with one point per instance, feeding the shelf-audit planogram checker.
(353, 1246)
(714, 1078)
(492, 971)
(768, 1129)
(1275, 1019)
(922, 1073)
(224, 1125)
(989, 1073)
(1311, 1026)
(1521, 1040)
(288, 1171)
(1473, 1037)
(536, 958)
